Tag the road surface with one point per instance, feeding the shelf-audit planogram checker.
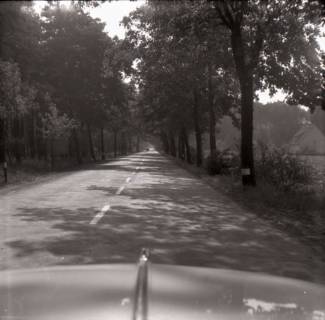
(107, 213)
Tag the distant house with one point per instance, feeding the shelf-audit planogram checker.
(318, 119)
(308, 140)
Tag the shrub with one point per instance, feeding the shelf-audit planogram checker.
(230, 160)
(283, 170)
(213, 166)
(224, 163)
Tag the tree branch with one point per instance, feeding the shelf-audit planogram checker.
(257, 47)
(222, 16)
(228, 12)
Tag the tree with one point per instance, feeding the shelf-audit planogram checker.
(55, 126)
(273, 45)
(18, 34)
(179, 74)
(62, 55)
(118, 95)
(10, 100)
(74, 46)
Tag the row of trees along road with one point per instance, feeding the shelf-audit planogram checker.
(61, 77)
(200, 60)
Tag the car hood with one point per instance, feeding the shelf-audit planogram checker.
(174, 292)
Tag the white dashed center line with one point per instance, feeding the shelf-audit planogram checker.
(100, 214)
(120, 190)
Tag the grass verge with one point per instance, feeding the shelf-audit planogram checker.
(31, 170)
(300, 214)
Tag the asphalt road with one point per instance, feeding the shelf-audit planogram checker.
(107, 213)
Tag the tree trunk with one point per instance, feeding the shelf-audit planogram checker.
(181, 146)
(2, 141)
(245, 72)
(165, 143)
(33, 147)
(187, 146)
(123, 144)
(23, 149)
(247, 152)
(212, 117)
(172, 145)
(138, 143)
(129, 144)
(3, 148)
(77, 145)
(52, 153)
(115, 143)
(26, 136)
(102, 145)
(70, 148)
(198, 134)
(40, 142)
(91, 145)
(15, 139)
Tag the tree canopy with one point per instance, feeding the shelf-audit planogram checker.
(56, 69)
(182, 66)
(216, 55)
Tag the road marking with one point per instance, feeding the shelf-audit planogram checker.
(128, 179)
(100, 214)
(120, 190)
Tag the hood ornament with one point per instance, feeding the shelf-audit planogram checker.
(140, 304)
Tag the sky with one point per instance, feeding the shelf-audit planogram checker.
(110, 12)
(113, 12)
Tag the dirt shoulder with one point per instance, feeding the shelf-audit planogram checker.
(307, 224)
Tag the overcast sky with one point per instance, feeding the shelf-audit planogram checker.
(113, 12)
(109, 12)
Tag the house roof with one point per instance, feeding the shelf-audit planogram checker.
(308, 140)
(318, 119)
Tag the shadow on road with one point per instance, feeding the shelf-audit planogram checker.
(178, 224)
(150, 164)
(181, 219)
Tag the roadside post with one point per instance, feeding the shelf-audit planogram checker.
(244, 173)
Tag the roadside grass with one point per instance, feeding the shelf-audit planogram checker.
(33, 170)
(29, 170)
(300, 213)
